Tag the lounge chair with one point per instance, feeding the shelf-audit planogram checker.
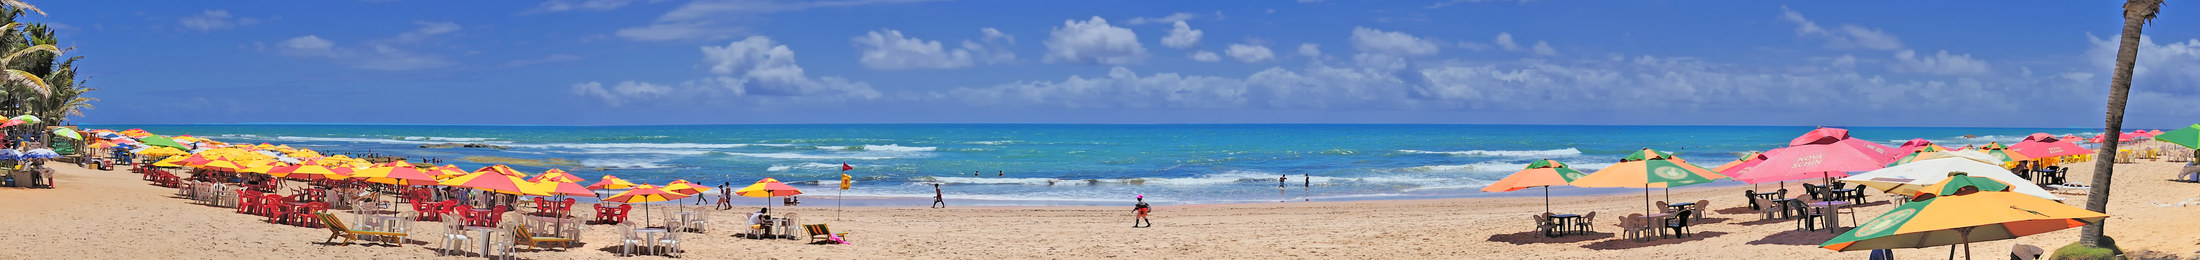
(523, 237)
(820, 230)
(1679, 224)
(337, 229)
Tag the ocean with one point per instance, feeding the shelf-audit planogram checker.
(1048, 164)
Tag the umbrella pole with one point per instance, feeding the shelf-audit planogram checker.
(1646, 198)
(1546, 198)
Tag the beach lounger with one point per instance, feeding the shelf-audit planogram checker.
(820, 231)
(337, 229)
(523, 237)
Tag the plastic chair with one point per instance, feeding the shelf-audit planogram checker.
(628, 239)
(1698, 207)
(669, 243)
(1586, 223)
(1679, 224)
(454, 236)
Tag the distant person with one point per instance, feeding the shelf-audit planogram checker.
(725, 197)
(976, 174)
(937, 201)
(1280, 180)
(1309, 179)
(1001, 174)
(1142, 209)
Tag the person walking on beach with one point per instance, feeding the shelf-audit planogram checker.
(937, 201)
(1142, 209)
(725, 197)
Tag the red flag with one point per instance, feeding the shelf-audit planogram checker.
(844, 167)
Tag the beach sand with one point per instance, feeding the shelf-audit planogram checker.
(114, 215)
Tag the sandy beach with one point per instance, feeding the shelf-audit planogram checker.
(114, 215)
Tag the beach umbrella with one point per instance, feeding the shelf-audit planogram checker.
(556, 175)
(488, 181)
(157, 140)
(1962, 210)
(41, 153)
(767, 188)
(2043, 145)
(1739, 164)
(1909, 178)
(2188, 136)
(28, 119)
(221, 165)
(1541, 173)
(499, 169)
(1912, 145)
(162, 151)
(682, 186)
(310, 171)
(555, 188)
(395, 175)
(10, 122)
(1824, 153)
(261, 167)
(611, 183)
(171, 161)
(1922, 154)
(446, 171)
(1649, 169)
(2002, 152)
(65, 132)
(645, 194)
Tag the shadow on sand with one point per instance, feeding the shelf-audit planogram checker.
(1796, 237)
(1616, 244)
(1536, 237)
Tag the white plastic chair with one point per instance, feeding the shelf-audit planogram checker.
(698, 221)
(454, 235)
(628, 239)
(501, 245)
(669, 243)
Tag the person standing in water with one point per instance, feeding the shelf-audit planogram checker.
(1142, 209)
(1308, 190)
(937, 201)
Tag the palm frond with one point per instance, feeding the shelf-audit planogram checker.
(20, 5)
(32, 81)
(28, 50)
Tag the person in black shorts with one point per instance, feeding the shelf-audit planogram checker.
(1142, 209)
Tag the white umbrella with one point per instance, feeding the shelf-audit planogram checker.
(1909, 177)
(41, 153)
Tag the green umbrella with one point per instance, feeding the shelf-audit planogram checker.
(65, 132)
(2188, 136)
(159, 140)
(28, 119)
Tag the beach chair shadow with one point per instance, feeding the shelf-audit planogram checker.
(1536, 237)
(1709, 221)
(1795, 237)
(1619, 244)
(1742, 210)
(1764, 221)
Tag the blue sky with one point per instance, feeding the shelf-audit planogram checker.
(616, 62)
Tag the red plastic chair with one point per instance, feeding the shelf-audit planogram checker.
(543, 206)
(271, 203)
(565, 209)
(603, 214)
(494, 216)
(246, 201)
(466, 214)
(277, 210)
(620, 217)
(425, 211)
(305, 212)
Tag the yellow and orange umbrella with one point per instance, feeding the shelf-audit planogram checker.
(398, 175)
(446, 171)
(611, 183)
(557, 176)
(1541, 173)
(682, 186)
(309, 171)
(645, 194)
(501, 169)
(221, 165)
(1962, 210)
(555, 188)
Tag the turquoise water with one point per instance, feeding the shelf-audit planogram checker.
(1074, 164)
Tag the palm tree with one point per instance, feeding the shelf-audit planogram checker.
(67, 98)
(2137, 13)
(20, 5)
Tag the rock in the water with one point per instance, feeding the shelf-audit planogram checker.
(460, 145)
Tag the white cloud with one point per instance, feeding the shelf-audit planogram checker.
(720, 19)
(1093, 42)
(1310, 49)
(544, 59)
(382, 54)
(212, 20)
(1172, 18)
(1182, 36)
(309, 45)
(1206, 56)
(1846, 37)
(2171, 67)
(1249, 53)
(889, 50)
(1392, 43)
(1505, 40)
(1941, 63)
(754, 69)
(1845, 62)
(995, 47)
(679, 31)
(1542, 48)
(553, 6)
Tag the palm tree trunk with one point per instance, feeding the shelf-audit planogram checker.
(2136, 15)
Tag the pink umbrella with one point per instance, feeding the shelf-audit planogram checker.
(2043, 145)
(1910, 146)
(2155, 132)
(1822, 153)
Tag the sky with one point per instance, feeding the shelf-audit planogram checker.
(646, 62)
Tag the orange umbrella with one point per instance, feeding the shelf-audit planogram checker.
(221, 165)
(501, 169)
(555, 188)
(310, 171)
(1962, 210)
(556, 175)
(611, 183)
(446, 172)
(645, 194)
(1541, 173)
(488, 181)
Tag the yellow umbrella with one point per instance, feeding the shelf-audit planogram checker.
(261, 167)
(162, 151)
(684, 187)
(555, 188)
(221, 165)
(556, 175)
(611, 183)
(447, 171)
(398, 175)
(171, 161)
